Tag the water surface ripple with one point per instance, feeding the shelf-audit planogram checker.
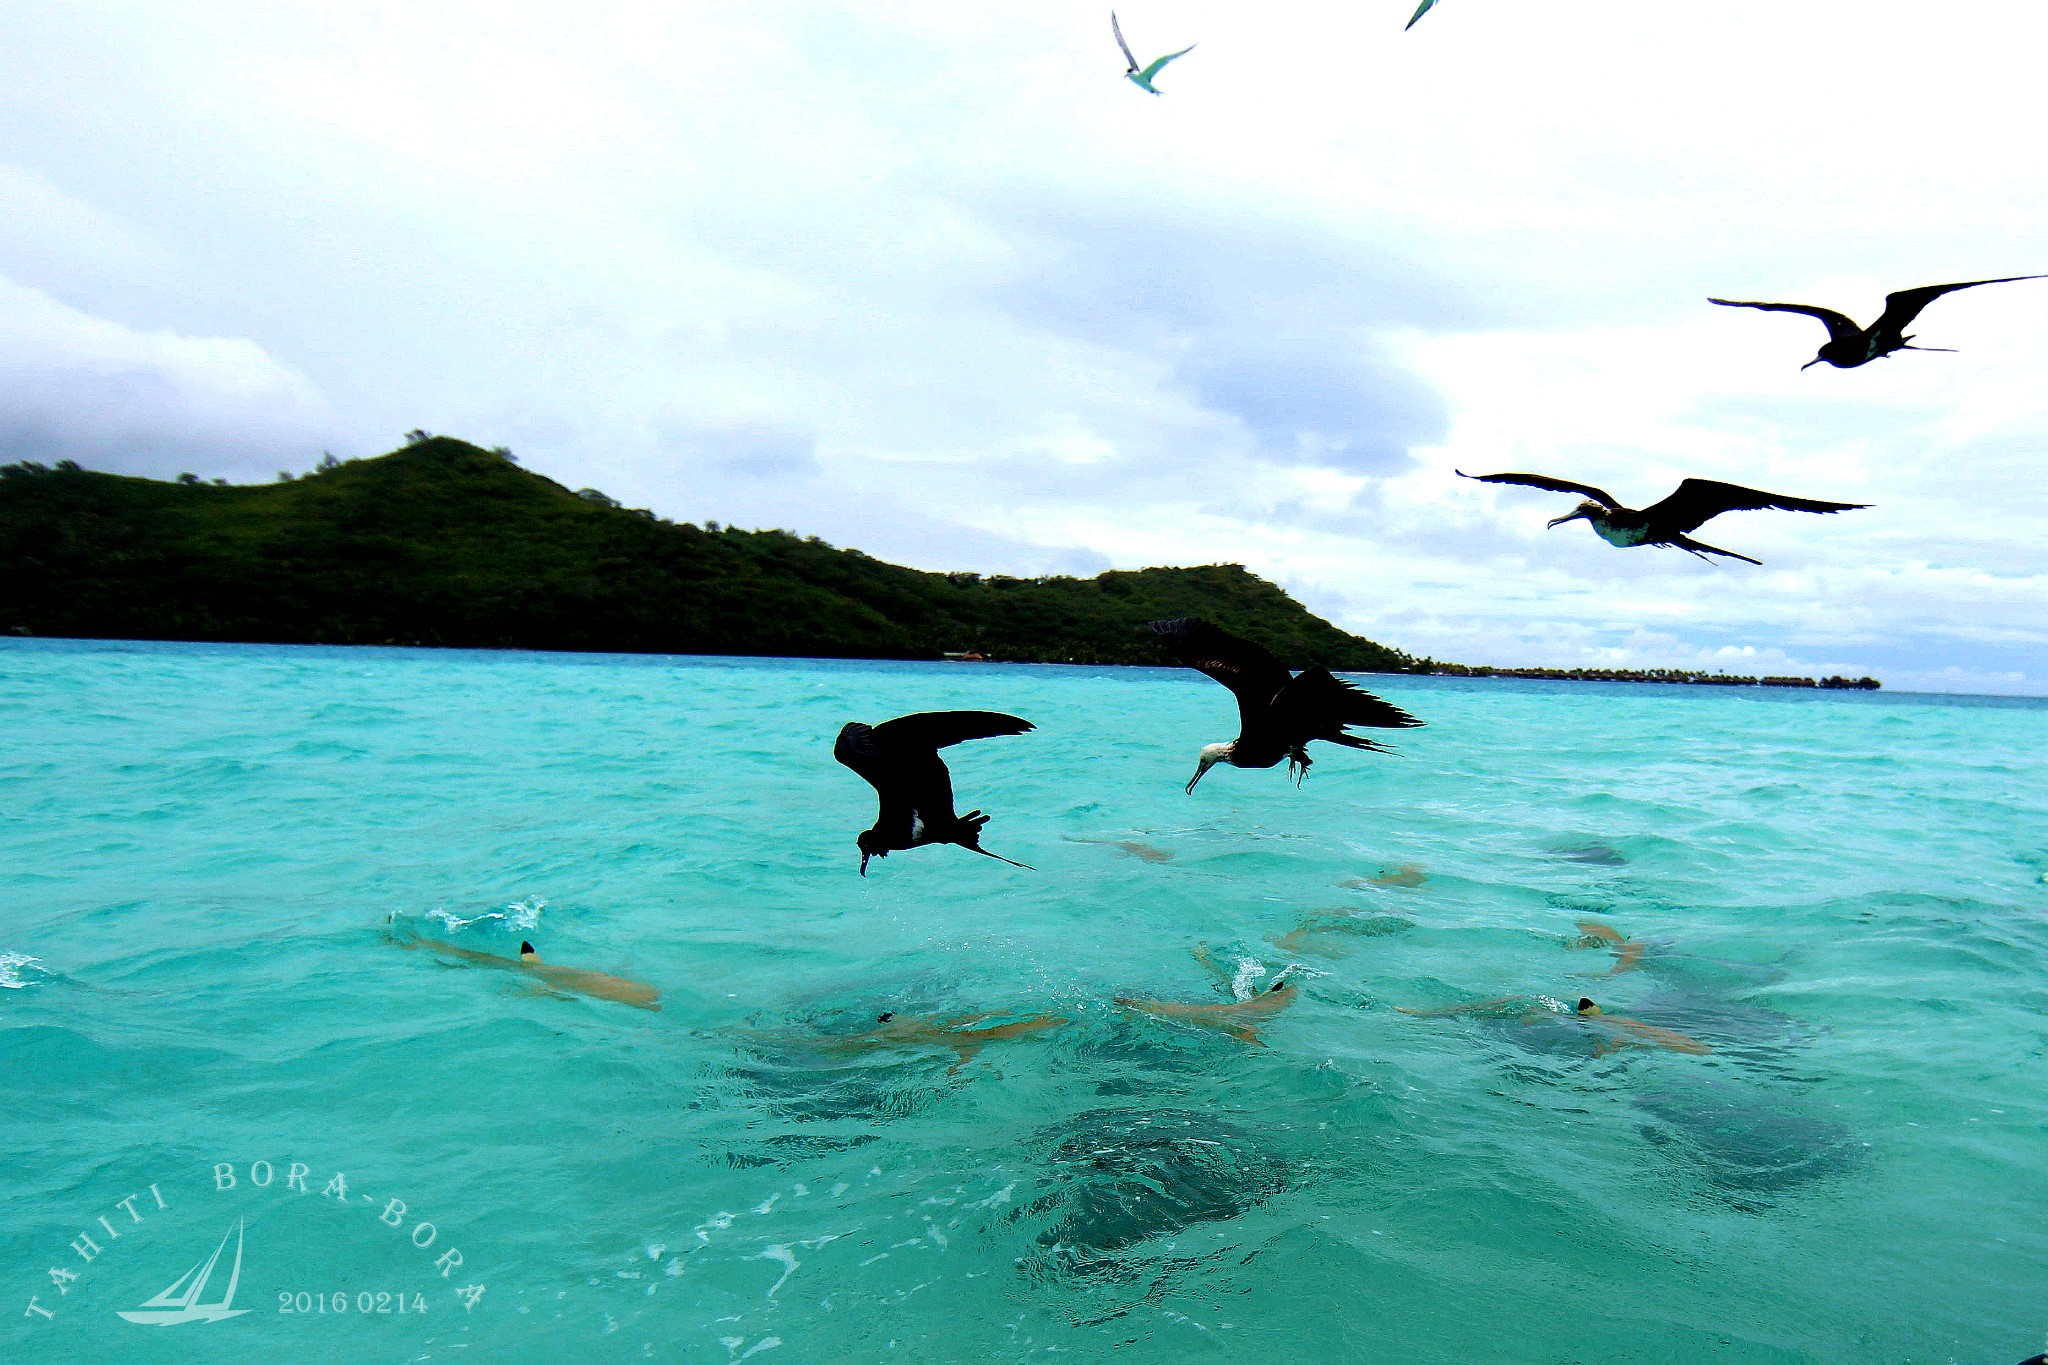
(201, 848)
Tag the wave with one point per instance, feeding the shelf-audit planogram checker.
(11, 965)
(519, 915)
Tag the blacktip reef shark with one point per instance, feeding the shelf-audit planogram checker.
(576, 980)
(1239, 1017)
(1137, 75)
(1617, 1031)
(957, 1034)
(1628, 952)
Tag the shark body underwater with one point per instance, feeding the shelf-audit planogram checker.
(575, 980)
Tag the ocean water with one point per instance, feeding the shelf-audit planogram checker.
(211, 858)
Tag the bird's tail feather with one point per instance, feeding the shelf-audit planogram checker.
(968, 836)
(1702, 549)
(1001, 859)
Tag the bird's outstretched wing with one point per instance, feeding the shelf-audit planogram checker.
(1901, 308)
(1840, 328)
(900, 760)
(857, 749)
(1427, 6)
(1149, 72)
(1544, 481)
(1699, 501)
(940, 729)
(1117, 29)
(1248, 670)
(1318, 705)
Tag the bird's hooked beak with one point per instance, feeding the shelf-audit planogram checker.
(1206, 764)
(1572, 515)
(1811, 363)
(863, 864)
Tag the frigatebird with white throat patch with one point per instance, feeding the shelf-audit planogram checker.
(1849, 345)
(1693, 505)
(900, 760)
(1278, 712)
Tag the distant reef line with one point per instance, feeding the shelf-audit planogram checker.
(443, 543)
(1833, 682)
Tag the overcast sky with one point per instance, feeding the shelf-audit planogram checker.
(934, 281)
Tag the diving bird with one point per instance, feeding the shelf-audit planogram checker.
(1427, 6)
(1849, 345)
(900, 760)
(1142, 76)
(1697, 502)
(1278, 712)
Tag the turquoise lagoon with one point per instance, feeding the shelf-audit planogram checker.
(215, 1055)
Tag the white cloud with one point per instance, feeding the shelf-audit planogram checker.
(938, 283)
(78, 387)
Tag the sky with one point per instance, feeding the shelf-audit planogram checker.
(934, 281)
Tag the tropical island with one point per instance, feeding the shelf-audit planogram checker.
(444, 543)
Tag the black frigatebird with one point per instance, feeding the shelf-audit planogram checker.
(1697, 502)
(1849, 345)
(900, 759)
(1278, 712)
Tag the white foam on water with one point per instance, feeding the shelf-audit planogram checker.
(1001, 1196)
(784, 1257)
(520, 915)
(10, 969)
(1248, 971)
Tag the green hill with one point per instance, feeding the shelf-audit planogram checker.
(443, 543)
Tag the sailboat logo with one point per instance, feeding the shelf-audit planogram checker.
(183, 1301)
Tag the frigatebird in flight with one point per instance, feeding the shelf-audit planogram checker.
(1137, 75)
(1278, 712)
(900, 759)
(1697, 502)
(1849, 345)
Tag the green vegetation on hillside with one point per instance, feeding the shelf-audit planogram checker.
(443, 543)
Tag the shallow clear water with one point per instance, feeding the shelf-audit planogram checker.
(200, 848)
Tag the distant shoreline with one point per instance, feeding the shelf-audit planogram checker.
(1832, 683)
(1426, 669)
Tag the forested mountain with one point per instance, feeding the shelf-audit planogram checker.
(444, 543)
